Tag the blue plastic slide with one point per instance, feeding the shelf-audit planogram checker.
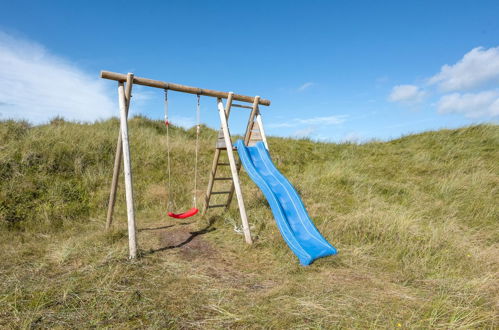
(292, 218)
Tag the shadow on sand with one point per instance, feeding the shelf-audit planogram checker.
(193, 234)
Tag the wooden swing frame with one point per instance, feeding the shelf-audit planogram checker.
(254, 132)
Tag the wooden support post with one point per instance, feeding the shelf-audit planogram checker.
(117, 157)
(262, 131)
(228, 106)
(251, 120)
(216, 158)
(247, 135)
(233, 169)
(132, 243)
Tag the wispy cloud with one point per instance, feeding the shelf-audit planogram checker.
(319, 121)
(141, 98)
(353, 137)
(305, 132)
(37, 85)
(185, 122)
(305, 86)
(141, 95)
(382, 80)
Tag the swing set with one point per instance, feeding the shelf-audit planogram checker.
(254, 133)
(293, 221)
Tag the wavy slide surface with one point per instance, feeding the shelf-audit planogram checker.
(292, 218)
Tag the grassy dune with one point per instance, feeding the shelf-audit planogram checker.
(415, 221)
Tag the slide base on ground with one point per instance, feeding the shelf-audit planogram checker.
(290, 214)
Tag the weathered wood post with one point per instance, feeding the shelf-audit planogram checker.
(118, 157)
(132, 243)
(233, 169)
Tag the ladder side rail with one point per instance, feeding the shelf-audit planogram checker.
(216, 158)
(251, 120)
(213, 172)
(235, 175)
(262, 130)
(247, 134)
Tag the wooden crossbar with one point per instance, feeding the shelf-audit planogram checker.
(216, 205)
(242, 106)
(180, 88)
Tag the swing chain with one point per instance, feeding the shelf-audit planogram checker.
(198, 128)
(167, 124)
(166, 108)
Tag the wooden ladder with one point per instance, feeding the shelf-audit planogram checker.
(214, 179)
(254, 132)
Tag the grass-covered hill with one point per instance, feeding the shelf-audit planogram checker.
(415, 220)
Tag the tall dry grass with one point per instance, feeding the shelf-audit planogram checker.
(415, 221)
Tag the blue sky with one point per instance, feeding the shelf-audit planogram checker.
(334, 70)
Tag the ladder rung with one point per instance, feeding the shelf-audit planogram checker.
(241, 106)
(223, 164)
(220, 192)
(221, 178)
(217, 205)
(225, 148)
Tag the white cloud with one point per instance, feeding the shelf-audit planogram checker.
(470, 80)
(36, 85)
(353, 137)
(328, 120)
(305, 86)
(141, 95)
(408, 94)
(185, 122)
(141, 98)
(473, 105)
(382, 80)
(320, 121)
(305, 132)
(477, 68)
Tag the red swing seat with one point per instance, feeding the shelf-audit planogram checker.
(184, 215)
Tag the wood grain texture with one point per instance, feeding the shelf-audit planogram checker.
(234, 171)
(117, 158)
(132, 231)
(180, 88)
